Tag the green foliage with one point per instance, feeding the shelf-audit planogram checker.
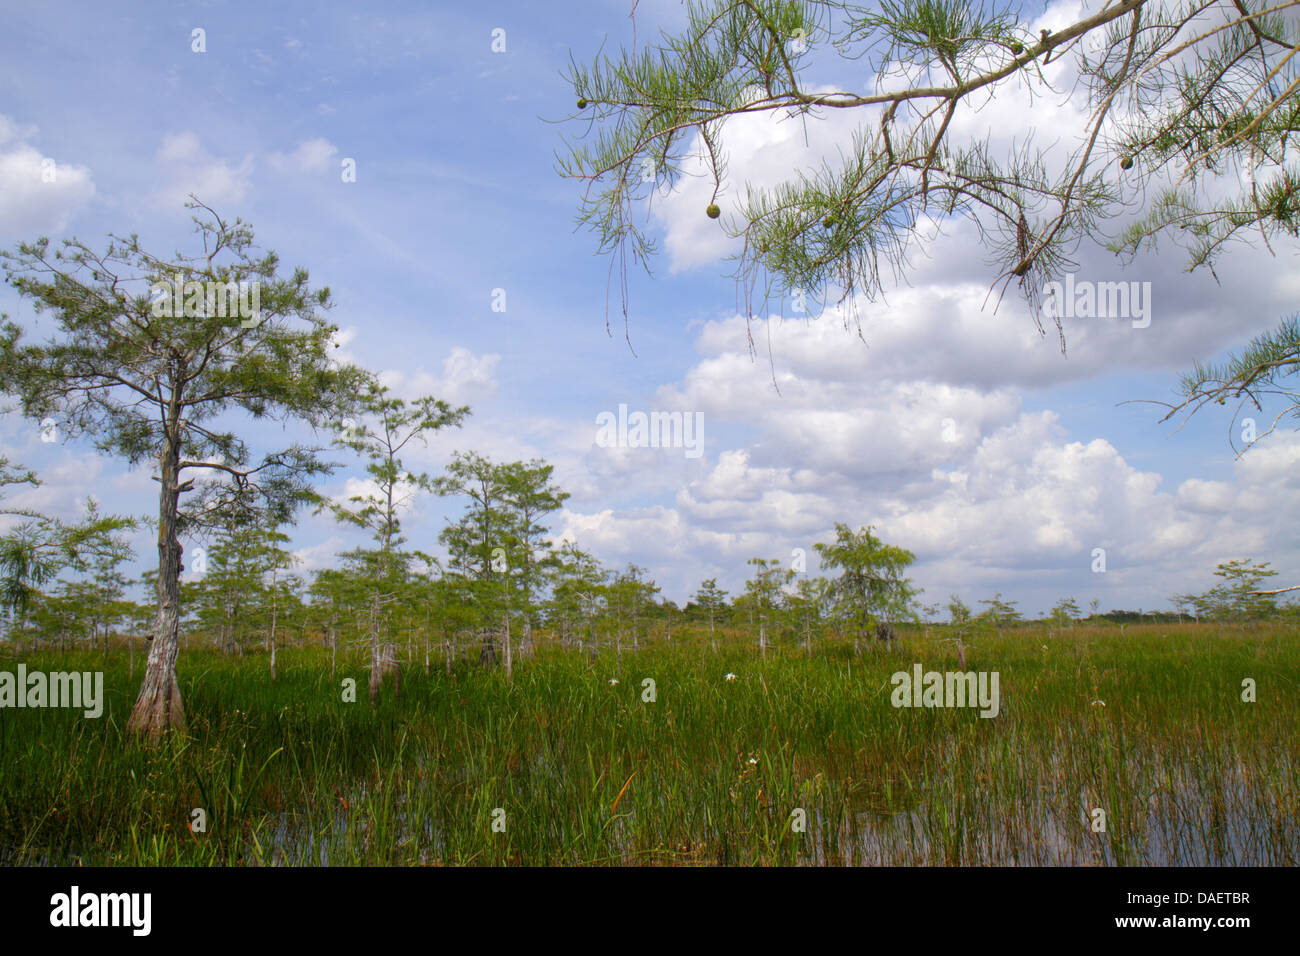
(38, 548)
(498, 546)
(244, 575)
(290, 775)
(710, 599)
(138, 382)
(871, 586)
(958, 611)
(578, 589)
(1248, 376)
(1066, 612)
(384, 427)
(1236, 598)
(1203, 93)
(999, 613)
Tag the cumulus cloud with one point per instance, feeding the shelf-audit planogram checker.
(39, 194)
(318, 556)
(465, 378)
(190, 168)
(942, 458)
(311, 156)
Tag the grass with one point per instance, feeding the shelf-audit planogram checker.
(563, 767)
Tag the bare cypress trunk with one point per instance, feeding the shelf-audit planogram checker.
(273, 617)
(393, 666)
(376, 660)
(159, 708)
(526, 641)
(509, 656)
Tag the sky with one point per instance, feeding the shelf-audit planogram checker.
(952, 427)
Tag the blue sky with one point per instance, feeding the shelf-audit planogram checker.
(456, 195)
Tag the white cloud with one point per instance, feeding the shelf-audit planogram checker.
(189, 168)
(981, 490)
(465, 378)
(466, 375)
(38, 194)
(318, 556)
(311, 156)
(1206, 497)
(368, 491)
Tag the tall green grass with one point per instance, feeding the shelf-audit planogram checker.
(586, 772)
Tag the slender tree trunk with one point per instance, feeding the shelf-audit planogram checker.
(274, 610)
(509, 665)
(376, 658)
(391, 663)
(159, 707)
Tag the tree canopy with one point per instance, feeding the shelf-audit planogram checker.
(149, 359)
(1189, 113)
